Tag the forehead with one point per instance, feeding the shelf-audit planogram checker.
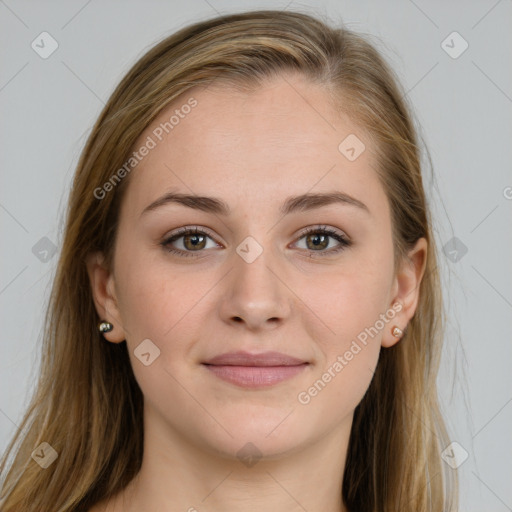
(282, 138)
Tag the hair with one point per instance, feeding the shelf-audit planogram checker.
(87, 404)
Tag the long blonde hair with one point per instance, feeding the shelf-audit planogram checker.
(87, 404)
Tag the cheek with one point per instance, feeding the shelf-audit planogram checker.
(352, 309)
(349, 302)
(347, 356)
(165, 309)
(153, 297)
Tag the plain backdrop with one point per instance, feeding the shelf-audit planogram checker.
(460, 86)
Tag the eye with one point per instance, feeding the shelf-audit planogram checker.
(317, 239)
(190, 239)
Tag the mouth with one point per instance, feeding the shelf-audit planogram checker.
(255, 370)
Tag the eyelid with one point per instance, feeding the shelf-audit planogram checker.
(187, 230)
(340, 236)
(344, 241)
(304, 231)
(184, 231)
(323, 227)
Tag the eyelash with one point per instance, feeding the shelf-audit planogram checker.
(324, 230)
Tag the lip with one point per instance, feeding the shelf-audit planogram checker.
(255, 370)
(242, 358)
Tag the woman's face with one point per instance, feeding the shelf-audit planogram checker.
(280, 161)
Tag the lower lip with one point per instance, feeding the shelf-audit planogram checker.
(255, 376)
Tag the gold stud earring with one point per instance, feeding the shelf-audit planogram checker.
(397, 332)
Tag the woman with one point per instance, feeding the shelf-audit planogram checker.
(247, 311)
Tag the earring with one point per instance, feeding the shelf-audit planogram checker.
(105, 326)
(397, 332)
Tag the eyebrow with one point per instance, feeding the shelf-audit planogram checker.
(292, 204)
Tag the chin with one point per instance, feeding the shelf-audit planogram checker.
(251, 446)
(257, 432)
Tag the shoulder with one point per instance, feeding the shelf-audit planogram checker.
(112, 504)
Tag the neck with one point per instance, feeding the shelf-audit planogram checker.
(177, 475)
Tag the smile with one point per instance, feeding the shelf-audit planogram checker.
(255, 370)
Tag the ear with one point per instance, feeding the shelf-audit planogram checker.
(406, 290)
(104, 296)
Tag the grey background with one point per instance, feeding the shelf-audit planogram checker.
(462, 104)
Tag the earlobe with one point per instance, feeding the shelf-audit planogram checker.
(104, 297)
(406, 292)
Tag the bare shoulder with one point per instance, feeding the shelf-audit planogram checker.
(113, 504)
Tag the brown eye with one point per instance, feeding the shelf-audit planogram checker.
(194, 242)
(316, 241)
(188, 241)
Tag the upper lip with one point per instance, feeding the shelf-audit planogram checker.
(241, 358)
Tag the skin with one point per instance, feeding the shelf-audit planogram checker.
(252, 150)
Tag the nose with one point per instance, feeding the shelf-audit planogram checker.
(255, 295)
